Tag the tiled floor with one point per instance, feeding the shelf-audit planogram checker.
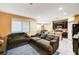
(65, 47)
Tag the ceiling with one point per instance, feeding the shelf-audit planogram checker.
(41, 11)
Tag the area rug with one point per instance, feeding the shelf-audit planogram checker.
(27, 49)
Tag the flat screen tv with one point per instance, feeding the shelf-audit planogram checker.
(60, 25)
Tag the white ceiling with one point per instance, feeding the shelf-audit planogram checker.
(41, 11)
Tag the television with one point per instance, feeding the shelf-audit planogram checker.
(60, 25)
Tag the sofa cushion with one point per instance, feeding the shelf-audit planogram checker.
(53, 41)
(35, 38)
(38, 34)
(49, 37)
(16, 35)
(45, 44)
(43, 36)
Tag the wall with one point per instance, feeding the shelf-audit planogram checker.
(48, 26)
(71, 21)
(5, 23)
(76, 21)
(70, 30)
(77, 18)
(38, 27)
(32, 27)
(45, 26)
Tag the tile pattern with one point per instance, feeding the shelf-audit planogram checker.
(65, 47)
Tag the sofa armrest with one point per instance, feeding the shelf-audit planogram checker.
(52, 42)
(56, 37)
(27, 36)
(33, 36)
(55, 43)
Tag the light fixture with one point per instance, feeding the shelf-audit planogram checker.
(60, 8)
(38, 17)
(65, 13)
(56, 18)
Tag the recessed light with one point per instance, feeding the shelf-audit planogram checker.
(60, 8)
(38, 17)
(65, 13)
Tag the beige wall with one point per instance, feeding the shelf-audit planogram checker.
(5, 24)
(45, 26)
(32, 27)
(48, 27)
(76, 19)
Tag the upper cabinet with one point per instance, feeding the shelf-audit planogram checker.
(62, 24)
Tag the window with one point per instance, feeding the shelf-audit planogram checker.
(25, 26)
(19, 25)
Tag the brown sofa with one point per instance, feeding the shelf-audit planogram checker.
(48, 43)
(17, 39)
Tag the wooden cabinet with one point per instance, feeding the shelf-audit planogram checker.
(75, 36)
(2, 45)
(75, 29)
(76, 45)
(60, 24)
